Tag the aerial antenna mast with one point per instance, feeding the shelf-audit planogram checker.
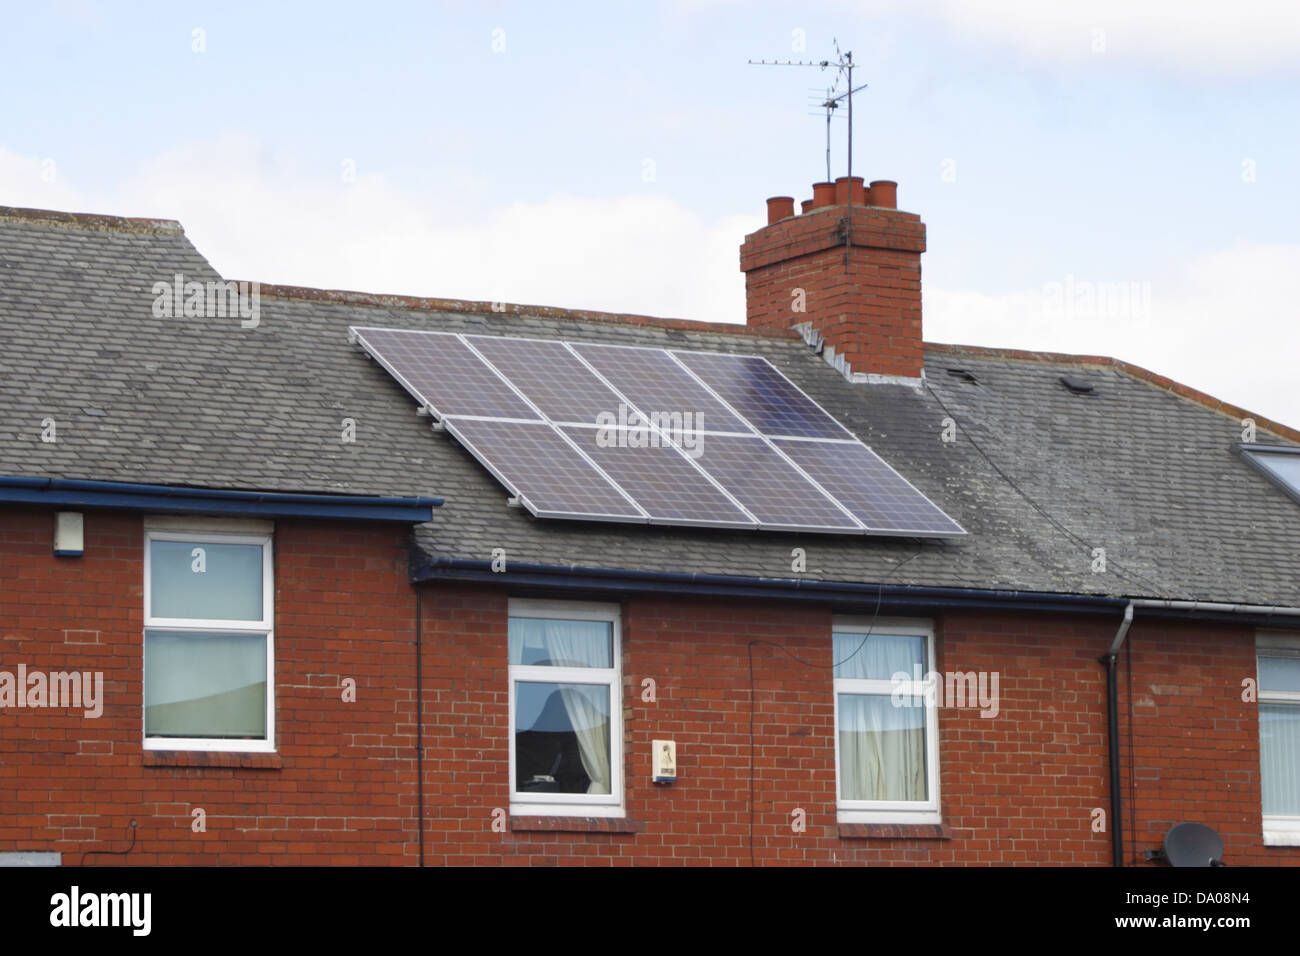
(843, 66)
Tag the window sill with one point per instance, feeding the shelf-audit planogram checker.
(212, 758)
(575, 824)
(1281, 837)
(895, 831)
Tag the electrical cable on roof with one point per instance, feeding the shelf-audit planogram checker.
(1087, 545)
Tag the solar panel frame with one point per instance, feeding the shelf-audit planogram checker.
(464, 431)
(703, 482)
(518, 409)
(549, 398)
(596, 354)
(913, 514)
(850, 518)
(833, 430)
(798, 485)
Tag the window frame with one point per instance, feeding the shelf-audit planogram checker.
(926, 811)
(1256, 454)
(266, 627)
(1278, 830)
(571, 804)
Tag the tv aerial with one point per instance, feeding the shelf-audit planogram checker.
(835, 95)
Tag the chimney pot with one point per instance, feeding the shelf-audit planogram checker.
(805, 205)
(850, 186)
(779, 207)
(884, 193)
(823, 195)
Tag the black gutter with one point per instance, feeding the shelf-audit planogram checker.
(74, 493)
(591, 580)
(608, 580)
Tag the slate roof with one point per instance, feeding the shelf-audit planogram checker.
(1038, 475)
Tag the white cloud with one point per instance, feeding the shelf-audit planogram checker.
(1224, 323)
(37, 183)
(1190, 36)
(257, 219)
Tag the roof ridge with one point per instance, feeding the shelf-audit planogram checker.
(434, 304)
(92, 221)
(1162, 382)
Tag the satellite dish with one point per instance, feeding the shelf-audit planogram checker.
(1193, 844)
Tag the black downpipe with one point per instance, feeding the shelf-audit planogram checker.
(419, 716)
(1116, 791)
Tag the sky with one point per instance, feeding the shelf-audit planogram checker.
(1114, 177)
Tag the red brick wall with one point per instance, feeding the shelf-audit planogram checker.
(870, 312)
(1195, 742)
(1019, 788)
(344, 790)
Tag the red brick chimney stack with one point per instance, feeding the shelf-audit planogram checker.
(854, 290)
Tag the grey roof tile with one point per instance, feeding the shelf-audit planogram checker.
(1133, 468)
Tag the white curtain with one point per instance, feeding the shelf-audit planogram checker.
(586, 705)
(877, 656)
(882, 746)
(542, 641)
(882, 749)
(535, 640)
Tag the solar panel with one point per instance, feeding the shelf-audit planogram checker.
(552, 377)
(548, 475)
(660, 478)
(877, 495)
(442, 373)
(658, 385)
(737, 444)
(770, 401)
(769, 487)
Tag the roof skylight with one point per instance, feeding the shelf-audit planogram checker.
(1279, 463)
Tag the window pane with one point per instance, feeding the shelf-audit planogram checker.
(1279, 673)
(541, 641)
(878, 656)
(1279, 757)
(562, 738)
(882, 749)
(204, 685)
(1285, 466)
(221, 582)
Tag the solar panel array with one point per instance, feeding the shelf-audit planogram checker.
(664, 436)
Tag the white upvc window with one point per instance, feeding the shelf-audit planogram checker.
(886, 725)
(1278, 663)
(209, 638)
(566, 709)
